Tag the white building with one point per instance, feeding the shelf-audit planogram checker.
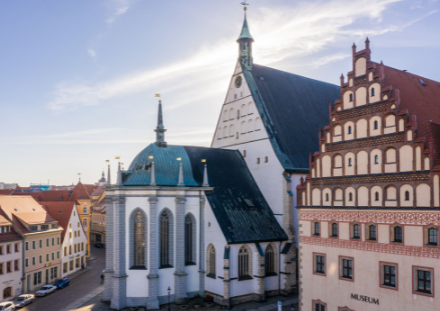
(11, 265)
(73, 238)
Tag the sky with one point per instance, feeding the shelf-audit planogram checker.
(78, 77)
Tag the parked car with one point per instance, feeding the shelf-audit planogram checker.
(61, 283)
(23, 300)
(46, 290)
(98, 245)
(7, 306)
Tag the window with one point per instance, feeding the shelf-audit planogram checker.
(258, 160)
(327, 197)
(334, 230)
(349, 130)
(74, 248)
(346, 268)
(244, 153)
(54, 226)
(65, 250)
(71, 265)
(33, 245)
(8, 249)
(423, 280)
(85, 222)
(376, 159)
(33, 228)
(376, 196)
(37, 278)
(41, 243)
(9, 267)
(190, 240)
(266, 159)
(33, 261)
(407, 195)
(372, 232)
(40, 258)
(165, 240)
(58, 254)
(16, 247)
(53, 256)
(1, 268)
(211, 261)
(16, 265)
(82, 246)
(138, 240)
(356, 231)
(351, 97)
(26, 262)
(47, 242)
(269, 261)
(316, 229)
(376, 125)
(70, 249)
(7, 292)
(350, 162)
(397, 234)
(53, 273)
(65, 267)
(47, 257)
(319, 261)
(1, 250)
(388, 274)
(350, 196)
(432, 236)
(244, 269)
(44, 227)
(372, 91)
(58, 240)
(319, 306)
(27, 246)
(84, 210)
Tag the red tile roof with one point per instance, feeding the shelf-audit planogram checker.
(61, 211)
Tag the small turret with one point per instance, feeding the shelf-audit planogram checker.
(119, 177)
(160, 130)
(180, 183)
(245, 45)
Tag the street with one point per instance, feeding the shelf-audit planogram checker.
(79, 286)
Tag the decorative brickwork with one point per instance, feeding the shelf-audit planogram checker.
(386, 178)
(397, 249)
(404, 218)
(362, 111)
(368, 142)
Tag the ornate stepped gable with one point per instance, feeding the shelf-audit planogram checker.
(381, 147)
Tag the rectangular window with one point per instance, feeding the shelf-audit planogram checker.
(38, 278)
(58, 241)
(41, 259)
(9, 267)
(65, 250)
(71, 265)
(423, 279)
(1, 268)
(33, 228)
(74, 248)
(266, 159)
(53, 256)
(79, 233)
(82, 246)
(70, 249)
(244, 153)
(26, 262)
(33, 261)
(319, 306)
(77, 263)
(53, 273)
(47, 257)
(346, 268)
(27, 246)
(319, 260)
(44, 227)
(16, 265)
(58, 254)
(1, 250)
(258, 160)
(389, 275)
(33, 245)
(53, 241)
(47, 242)
(54, 226)
(65, 267)
(16, 247)
(41, 243)
(8, 248)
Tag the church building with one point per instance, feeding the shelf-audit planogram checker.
(369, 211)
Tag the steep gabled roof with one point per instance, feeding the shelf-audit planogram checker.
(61, 211)
(238, 204)
(293, 108)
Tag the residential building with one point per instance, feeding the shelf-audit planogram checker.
(11, 260)
(41, 237)
(73, 238)
(98, 223)
(83, 206)
(370, 209)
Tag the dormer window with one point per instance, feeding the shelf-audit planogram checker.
(44, 227)
(54, 226)
(33, 228)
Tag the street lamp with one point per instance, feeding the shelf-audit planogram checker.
(169, 293)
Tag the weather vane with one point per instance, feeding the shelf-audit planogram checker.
(245, 5)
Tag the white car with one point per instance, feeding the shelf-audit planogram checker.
(7, 306)
(46, 290)
(23, 300)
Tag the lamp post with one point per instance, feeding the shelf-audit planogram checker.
(169, 293)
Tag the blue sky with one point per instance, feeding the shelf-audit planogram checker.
(78, 77)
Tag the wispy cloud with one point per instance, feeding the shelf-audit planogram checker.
(280, 34)
(91, 52)
(117, 8)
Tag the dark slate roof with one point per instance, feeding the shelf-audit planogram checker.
(293, 108)
(234, 188)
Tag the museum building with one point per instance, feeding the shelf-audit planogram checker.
(369, 212)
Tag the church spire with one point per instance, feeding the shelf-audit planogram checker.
(160, 130)
(245, 45)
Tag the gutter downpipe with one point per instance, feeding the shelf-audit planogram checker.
(279, 268)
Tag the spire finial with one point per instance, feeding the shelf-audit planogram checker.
(119, 178)
(153, 175)
(109, 183)
(160, 130)
(205, 177)
(180, 183)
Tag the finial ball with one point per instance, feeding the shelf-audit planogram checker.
(245, 9)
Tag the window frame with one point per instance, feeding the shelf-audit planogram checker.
(273, 259)
(392, 234)
(330, 228)
(368, 233)
(320, 302)
(341, 277)
(248, 276)
(415, 270)
(211, 263)
(315, 264)
(190, 240)
(426, 236)
(314, 233)
(352, 231)
(382, 284)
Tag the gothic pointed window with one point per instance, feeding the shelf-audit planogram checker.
(269, 261)
(190, 240)
(139, 240)
(166, 235)
(244, 264)
(210, 261)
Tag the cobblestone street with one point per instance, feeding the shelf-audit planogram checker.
(80, 286)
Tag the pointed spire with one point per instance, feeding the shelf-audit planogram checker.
(367, 41)
(109, 181)
(205, 177)
(245, 45)
(245, 33)
(153, 175)
(180, 183)
(160, 130)
(119, 177)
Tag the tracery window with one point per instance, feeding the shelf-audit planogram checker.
(211, 261)
(165, 239)
(269, 260)
(244, 270)
(138, 234)
(190, 242)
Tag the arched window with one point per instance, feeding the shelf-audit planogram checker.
(376, 159)
(138, 240)
(432, 236)
(350, 196)
(372, 233)
(351, 97)
(244, 269)
(334, 229)
(317, 229)
(225, 132)
(406, 195)
(190, 240)
(350, 162)
(398, 234)
(210, 261)
(7, 292)
(376, 196)
(349, 130)
(166, 234)
(376, 125)
(372, 91)
(269, 260)
(225, 115)
(356, 231)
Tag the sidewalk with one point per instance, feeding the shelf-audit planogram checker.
(88, 303)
